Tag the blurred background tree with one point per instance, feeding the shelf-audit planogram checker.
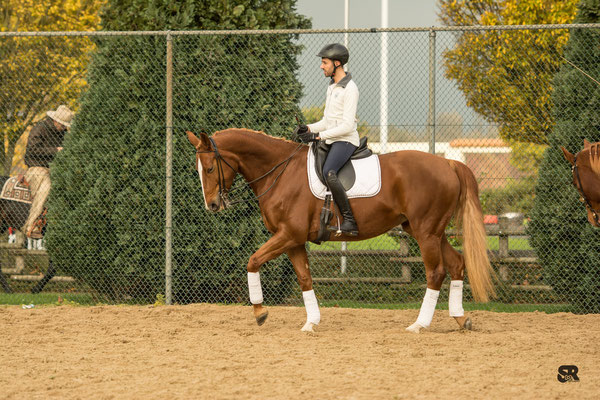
(506, 76)
(39, 73)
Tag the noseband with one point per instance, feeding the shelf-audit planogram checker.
(223, 198)
(223, 194)
(579, 187)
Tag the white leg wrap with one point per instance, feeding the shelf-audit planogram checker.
(256, 296)
(428, 307)
(455, 299)
(313, 315)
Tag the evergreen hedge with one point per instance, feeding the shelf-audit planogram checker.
(567, 245)
(107, 207)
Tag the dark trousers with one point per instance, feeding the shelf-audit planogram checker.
(339, 153)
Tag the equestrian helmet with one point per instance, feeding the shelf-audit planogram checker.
(335, 51)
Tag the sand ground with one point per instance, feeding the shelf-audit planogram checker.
(218, 352)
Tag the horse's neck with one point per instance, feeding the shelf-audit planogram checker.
(258, 153)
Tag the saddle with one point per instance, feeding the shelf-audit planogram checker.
(16, 189)
(346, 175)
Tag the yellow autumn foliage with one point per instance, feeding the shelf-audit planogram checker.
(506, 76)
(40, 72)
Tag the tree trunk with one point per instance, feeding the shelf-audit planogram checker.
(9, 153)
(3, 156)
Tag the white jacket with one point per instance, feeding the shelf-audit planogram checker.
(339, 118)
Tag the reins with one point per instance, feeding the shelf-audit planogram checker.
(224, 195)
(579, 187)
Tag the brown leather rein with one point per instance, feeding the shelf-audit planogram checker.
(224, 193)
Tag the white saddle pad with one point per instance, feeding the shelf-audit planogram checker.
(368, 177)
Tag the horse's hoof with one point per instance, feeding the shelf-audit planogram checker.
(262, 318)
(308, 327)
(468, 324)
(415, 328)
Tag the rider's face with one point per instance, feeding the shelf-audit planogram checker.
(60, 127)
(327, 66)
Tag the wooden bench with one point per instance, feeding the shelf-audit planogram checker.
(17, 269)
(16, 255)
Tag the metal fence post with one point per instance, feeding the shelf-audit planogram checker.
(169, 176)
(431, 116)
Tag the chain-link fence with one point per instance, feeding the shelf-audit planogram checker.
(126, 214)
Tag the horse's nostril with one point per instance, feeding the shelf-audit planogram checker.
(214, 206)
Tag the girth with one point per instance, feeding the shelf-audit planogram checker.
(346, 175)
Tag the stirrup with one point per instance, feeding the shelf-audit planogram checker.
(352, 232)
(34, 232)
(339, 232)
(334, 229)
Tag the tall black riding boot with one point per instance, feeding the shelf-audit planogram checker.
(349, 226)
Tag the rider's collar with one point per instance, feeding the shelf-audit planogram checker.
(344, 81)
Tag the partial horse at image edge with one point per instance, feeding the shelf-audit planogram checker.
(14, 210)
(420, 191)
(585, 171)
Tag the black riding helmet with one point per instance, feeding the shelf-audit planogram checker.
(335, 51)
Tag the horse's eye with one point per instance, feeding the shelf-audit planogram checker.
(211, 169)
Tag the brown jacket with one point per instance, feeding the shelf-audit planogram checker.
(43, 143)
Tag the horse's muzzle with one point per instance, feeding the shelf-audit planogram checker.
(220, 203)
(214, 206)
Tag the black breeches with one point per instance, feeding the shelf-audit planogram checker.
(339, 153)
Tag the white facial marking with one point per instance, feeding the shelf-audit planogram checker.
(202, 182)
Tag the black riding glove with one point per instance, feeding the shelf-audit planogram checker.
(307, 137)
(300, 129)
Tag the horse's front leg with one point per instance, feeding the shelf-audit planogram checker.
(300, 261)
(272, 248)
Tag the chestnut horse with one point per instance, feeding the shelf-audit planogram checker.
(420, 191)
(585, 168)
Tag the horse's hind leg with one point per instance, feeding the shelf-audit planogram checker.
(431, 250)
(455, 263)
(300, 261)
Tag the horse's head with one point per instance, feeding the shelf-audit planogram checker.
(215, 170)
(585, 167)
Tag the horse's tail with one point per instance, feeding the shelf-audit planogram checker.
(469, 217)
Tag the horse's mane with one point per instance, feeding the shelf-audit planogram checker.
(594, 150)
(251, 132)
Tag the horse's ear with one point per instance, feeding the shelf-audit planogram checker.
(568, 156)
(586, 144)
(192, 138)
(199, 143)
(206, 143)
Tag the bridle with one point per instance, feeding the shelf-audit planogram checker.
(223, 193)
(579, 187)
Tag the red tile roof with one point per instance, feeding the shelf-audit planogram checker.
(477, 142)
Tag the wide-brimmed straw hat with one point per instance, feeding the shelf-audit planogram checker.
(63, 115)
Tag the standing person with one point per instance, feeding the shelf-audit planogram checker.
(45, 140)
(337, 128)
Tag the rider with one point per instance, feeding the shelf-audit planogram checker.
(45, 140)
(337, 128)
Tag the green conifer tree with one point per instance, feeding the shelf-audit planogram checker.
(566, 244)
(107, 207)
